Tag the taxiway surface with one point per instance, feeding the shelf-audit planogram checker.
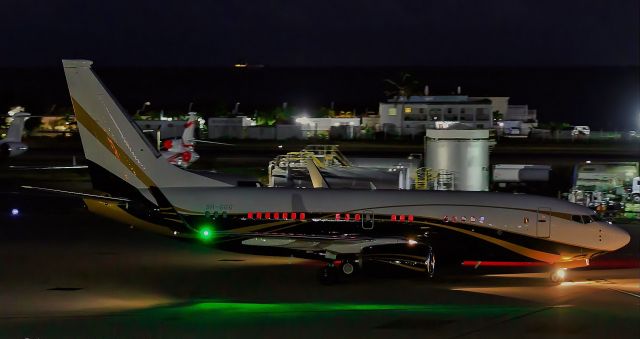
(67, 273)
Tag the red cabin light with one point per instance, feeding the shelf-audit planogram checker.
(402, 217)
(411, 218)
(347, 217)
(167, 144)
(337, 216)
(250, 215)
(259, 215)
(294, 215)
(285, 215)
(357, 217)
(267, 215)
(394, 217)
(302, 216)
(276, 215)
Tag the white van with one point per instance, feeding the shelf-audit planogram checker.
(580, 130)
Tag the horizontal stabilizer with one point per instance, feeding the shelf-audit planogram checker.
(76, 194)
(212, 142)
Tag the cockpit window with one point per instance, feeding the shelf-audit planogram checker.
(576, 218)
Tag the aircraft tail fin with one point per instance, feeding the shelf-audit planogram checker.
(17, 127)
(114, 143)
(189, 130)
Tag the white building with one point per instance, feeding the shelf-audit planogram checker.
(345, 128)
(413, 115)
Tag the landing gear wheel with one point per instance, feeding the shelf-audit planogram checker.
(558, 276)
(328, 275)
(430, 263)
(348, 268)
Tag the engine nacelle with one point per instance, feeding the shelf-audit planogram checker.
(12, 149)
(413, 256)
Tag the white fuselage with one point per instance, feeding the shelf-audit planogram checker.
(503, 212)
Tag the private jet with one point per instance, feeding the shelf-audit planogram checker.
(350, 230)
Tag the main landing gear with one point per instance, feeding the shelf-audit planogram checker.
(337, 271)
(430, 263)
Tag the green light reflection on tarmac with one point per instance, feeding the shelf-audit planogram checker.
(244, 307)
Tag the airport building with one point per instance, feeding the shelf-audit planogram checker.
(415, 114)
(303, 128)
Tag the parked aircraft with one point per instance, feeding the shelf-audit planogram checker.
(349, 229)
(12, 144)
(181, 152)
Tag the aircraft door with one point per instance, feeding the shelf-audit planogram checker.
(543, 222)
(367, 220)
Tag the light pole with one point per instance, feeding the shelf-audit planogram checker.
(144, 106)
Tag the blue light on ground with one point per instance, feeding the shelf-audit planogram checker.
(15, 212)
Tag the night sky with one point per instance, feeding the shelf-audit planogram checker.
(322, 33)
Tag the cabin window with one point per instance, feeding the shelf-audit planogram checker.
(526, 220)
(576, 218)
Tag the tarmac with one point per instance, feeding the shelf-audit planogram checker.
(67, 273)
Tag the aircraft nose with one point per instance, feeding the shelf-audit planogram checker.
(618, 237)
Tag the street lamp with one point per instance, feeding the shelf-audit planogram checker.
(144, 106)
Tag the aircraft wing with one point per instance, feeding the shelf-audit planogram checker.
(48, 167)
(339, 244)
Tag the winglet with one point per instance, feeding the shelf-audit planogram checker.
(77, 63)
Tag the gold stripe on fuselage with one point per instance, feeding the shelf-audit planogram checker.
(531, 253)
(111, 210)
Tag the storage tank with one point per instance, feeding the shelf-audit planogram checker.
(465, 153)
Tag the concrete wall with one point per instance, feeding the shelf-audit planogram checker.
(261, 133)
(168, 129)
(226, 128)
(284, 132)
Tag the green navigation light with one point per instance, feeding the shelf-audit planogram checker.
(206, 233)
